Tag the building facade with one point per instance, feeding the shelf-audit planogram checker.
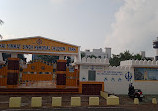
(88, 76)
(143, 75)
(99, 53)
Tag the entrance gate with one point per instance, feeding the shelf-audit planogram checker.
(38, 74)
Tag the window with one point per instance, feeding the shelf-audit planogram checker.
(91, 75)
(146, 73)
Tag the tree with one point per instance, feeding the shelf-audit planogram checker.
(126, 55)
(7, 55)
(48, 58)
(68, 60)
(21, 56)
(92, 56)
(115, 60)
(53, 59)
(83, 54)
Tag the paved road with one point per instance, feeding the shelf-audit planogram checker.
(74, 109)
(125, 108)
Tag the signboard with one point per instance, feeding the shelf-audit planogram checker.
(39, 44)
(109, 73)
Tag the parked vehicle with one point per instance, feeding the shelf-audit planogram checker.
(135, 93)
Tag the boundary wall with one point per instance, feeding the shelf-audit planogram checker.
(117, 79)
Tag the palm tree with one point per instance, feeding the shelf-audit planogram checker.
(1, 22)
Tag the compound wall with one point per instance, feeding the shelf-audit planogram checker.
(117, 79)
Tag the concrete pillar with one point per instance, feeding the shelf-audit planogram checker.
(36, 102)
(75, 101)
(61, 72)
(56, 101)
(61, 57)
(136, 101)
(79, 55)
(76, 58)
(14, 55)
(1, 58)
(93, 100)
(113, 100)
(15, 102)
(154, 101)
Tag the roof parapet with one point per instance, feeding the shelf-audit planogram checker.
(94, 61)
(139, 63)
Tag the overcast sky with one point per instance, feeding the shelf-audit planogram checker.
(119, 24)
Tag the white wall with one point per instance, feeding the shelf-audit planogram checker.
(118, 87)
(110, 85)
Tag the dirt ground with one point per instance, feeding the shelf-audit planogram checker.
(125, 101)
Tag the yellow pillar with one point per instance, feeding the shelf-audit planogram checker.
(112, 100)
(15, 102)
(56, 101)
(136, 101)
(104, 94)
(154, 101)
(36, 101)
(93, 100)
(75, 101)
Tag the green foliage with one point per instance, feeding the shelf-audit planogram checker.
(92, 56)
(21, 56)
(48, 58)
(84, 55)
(53, 59)
(116, 59)
(6, 56)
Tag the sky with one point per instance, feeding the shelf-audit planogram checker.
(119, 24)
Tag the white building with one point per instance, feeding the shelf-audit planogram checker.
(142, 53)
(143, 75)
(98, 53)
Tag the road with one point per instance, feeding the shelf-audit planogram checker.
(122, 108)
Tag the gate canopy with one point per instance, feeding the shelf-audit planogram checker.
(38, 45)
